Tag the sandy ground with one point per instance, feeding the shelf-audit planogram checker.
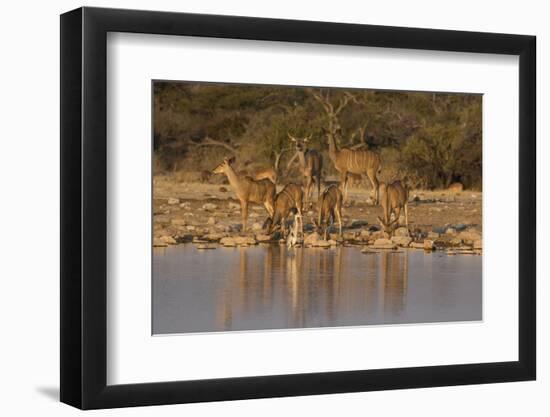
(185, 211)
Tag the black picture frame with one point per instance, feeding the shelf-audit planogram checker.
(84, 207)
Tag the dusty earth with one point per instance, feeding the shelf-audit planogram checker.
(209, 215)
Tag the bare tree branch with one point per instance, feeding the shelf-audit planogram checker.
(352, 97)
(208, 141)
(360, 131)
(278, 156)
(268, 96)
(344, 102)
(322, 100)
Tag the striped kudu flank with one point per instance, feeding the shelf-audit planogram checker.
(358, 161)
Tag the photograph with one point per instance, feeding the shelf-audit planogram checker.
(295, 207)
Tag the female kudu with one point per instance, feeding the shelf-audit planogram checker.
(393, 198)
(311, 165)
(247, 189)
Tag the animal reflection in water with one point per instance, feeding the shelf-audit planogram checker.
(316, 291)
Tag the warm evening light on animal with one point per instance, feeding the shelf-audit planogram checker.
(281, 207)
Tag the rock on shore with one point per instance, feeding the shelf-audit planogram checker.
(209, 207)
(402, 241)
(383, 244)
(429, 245)
(238, 241)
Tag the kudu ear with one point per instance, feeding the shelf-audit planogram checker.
(292, 138)
(230, 160)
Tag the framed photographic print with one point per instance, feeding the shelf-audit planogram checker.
(257, 208)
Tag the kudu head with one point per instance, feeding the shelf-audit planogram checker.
(224, 166)
(301, 143)
(273, 223)
(319, 227)
(389, 227)
(334, 131)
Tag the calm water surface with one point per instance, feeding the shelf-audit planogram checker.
(271, 287)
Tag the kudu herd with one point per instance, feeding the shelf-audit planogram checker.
(352, 164)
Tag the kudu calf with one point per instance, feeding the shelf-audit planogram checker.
(287, 202)
(393, 198)
(248, 190)
(329, 207)
(311, 165)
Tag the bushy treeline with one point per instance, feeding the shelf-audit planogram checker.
(429, 139)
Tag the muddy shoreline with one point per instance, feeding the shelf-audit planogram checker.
(209, 215)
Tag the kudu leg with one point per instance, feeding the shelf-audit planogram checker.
(298, 217)
(397, 213)
(299, 206)
(269, 205)
(298, 226)
(244, 213)
(318, 186)
(339, 220)
(344, 185)
(374, 182)
(308, 190)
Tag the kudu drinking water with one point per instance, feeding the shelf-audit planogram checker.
(330, 210)
(287, 202)
(311, 165)
(248, 190)
(393, 198)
